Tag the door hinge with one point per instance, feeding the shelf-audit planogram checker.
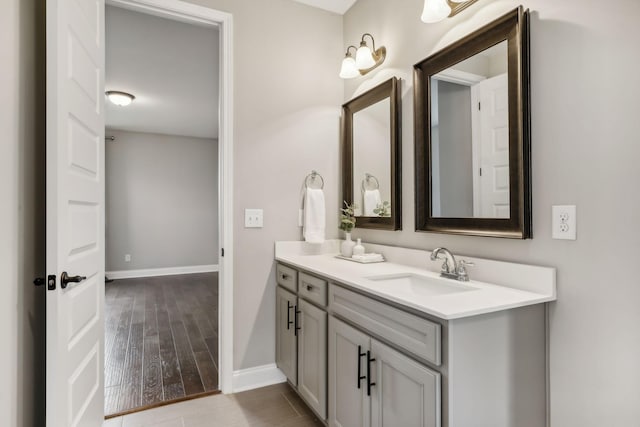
(480, 171)
(222, 252)
(479, 106)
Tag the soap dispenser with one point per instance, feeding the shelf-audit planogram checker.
(358, 249)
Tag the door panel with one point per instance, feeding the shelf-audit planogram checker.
(75, 212)
(349, 405)
(312, 357)
(406, 393)
(286, 350)
(494, 148)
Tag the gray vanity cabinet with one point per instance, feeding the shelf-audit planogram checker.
(349, 405)
(312, 356)
(286, 351)
(301, 335)
(371, 384)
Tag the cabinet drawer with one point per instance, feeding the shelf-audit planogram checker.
(287, 277)
(418, 336)
(312, 289)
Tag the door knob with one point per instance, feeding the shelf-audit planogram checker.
(65, 279)
(39, 281)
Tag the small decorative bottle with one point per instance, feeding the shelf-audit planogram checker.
(358, 249)
(346, 248)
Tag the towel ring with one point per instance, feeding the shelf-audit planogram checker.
(311, 178)
(367, 180)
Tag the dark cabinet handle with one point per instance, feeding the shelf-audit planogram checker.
(360, 355)
(309, 287)
(369, 383)
(39, 281)
(65, 279)
(285, 276)
(289, 321)
(296, 328)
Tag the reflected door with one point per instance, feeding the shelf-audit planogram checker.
(492, 193)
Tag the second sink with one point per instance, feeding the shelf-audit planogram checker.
(416, 284)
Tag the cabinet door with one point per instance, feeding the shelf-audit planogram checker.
(285, 334)
(312, 357)
(406, 393)
(349, 404)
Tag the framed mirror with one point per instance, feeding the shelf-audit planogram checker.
(370, 138)
(472, 139)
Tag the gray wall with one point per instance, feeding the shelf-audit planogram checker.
(161, 201)
(585, 91)
(287, 97)
(22, 306)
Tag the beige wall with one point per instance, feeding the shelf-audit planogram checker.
(161, 201)
(287, 100)
(21, 215)
(585, 92)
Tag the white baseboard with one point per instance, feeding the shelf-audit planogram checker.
(170, 271)
(259, 376)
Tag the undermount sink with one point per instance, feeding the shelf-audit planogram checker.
(416, 284)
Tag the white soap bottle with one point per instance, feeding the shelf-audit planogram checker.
(358, 249)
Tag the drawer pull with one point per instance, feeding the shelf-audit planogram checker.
(369, 383)
(285, 276)
(309, 287)
(289, 321)
(360, 355)
(296, 328)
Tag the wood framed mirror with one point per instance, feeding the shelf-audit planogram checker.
(371, 159)
(472, 133)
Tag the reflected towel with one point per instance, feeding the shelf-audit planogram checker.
(314, 216)
(371, 201)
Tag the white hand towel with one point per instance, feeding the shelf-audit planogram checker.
(371, 200)
(314, 216)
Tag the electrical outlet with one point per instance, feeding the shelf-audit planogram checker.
(253, 218)
(564, 222)
(127, 258)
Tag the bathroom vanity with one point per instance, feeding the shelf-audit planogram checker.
(393, 344)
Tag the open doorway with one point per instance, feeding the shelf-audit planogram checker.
(162, 237)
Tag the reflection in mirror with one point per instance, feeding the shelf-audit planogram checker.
(371, 156)
(371, 165)
(470, 137)
(472, 133)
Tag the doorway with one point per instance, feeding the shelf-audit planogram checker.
(162, 211)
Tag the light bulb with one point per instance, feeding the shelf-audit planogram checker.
(364, 58)
(349, 69)
(435, 10)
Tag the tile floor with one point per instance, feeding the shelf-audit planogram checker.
(276, 405)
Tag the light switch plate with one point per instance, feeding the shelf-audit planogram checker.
(253, 218)
(564, 222)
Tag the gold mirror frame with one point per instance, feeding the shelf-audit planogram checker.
(388, 89)
(512, 27)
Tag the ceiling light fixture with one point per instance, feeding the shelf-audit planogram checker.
(366, 59)
(437, 10)
(121, 99)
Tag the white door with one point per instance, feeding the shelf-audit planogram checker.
(493, 195)
(75, 212)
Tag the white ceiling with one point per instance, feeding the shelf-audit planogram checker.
(337, 6)
(170, 67)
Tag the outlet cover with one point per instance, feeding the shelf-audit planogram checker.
(253, 218)
(564, 222)
(127, 258)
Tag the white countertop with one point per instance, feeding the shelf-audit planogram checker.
(485, 298)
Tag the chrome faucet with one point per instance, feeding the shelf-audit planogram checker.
(450, 268)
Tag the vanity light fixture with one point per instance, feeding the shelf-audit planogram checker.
(437, 10)
(366, 59)
(121, 99)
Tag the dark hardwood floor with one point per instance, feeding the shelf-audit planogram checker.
(161, 339)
